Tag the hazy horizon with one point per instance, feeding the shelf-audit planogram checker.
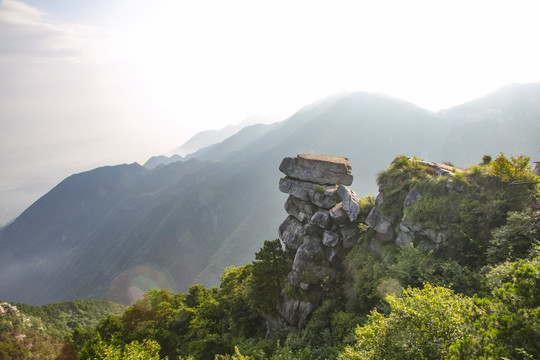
(88, 84)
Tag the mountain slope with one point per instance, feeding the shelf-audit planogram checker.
(184, 222)
(210, 137)
(506, 120)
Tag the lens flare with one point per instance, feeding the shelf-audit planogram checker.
(130, 285)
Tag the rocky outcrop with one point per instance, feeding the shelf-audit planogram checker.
(403, 230)
(320, 229)
(379, 222)
(320, 169)
(323, 225)
(440, 169)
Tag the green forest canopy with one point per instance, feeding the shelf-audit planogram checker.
(478, 297)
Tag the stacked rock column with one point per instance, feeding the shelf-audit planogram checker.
(320, 229)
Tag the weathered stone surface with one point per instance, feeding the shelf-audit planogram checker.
(378, 222)
(412, 197)
(435, 235)
(324, 196)
(408, 229)
(350, 236)
(296, 312)
(408, 225)
(291, 232)
(304, 261)
(440, 169)
(349, 202)
(404, 239)
(313, 230)
(330, 238)
(338, 215)
(320, 169)
(321, 219)
(320, 229)
(302, 210)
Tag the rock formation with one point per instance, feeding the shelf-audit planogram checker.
(323, 225)
(402, 230)
(321, 228)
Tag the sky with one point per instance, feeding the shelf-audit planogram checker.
(92, 83)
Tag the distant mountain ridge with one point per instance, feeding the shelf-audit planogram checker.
(156, 161)
(211, 137)
(116, 231)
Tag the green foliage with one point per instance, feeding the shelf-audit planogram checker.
(202, 323)
(510, 326)
(395, 183)
(373, 276)
(269, 274)
(465, 309)
(328, 331)
(147, 349)
(515, 239)
(12, 349)
(422, 324)
(22, 337)
(236, 356)
(62, 318)
(365, 205)
(515, 169)
(366, 270)
(467, 205)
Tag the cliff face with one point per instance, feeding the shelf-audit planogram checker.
(325, 221)
(396, 225)
(321, 228)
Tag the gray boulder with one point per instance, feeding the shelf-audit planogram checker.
(304, 268)
(320, 169)
(350, 236)
(291, 232)
(338, 215)
(440, 169)
(324, 196)
(380, 223)
(302, 210)
(349, 202)
(431, 237)
(412, 197)
(296, 312)
(330, 238)
(321, 219)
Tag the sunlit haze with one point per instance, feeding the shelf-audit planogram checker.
(93, 83)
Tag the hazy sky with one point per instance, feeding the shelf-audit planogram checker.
(91, 83)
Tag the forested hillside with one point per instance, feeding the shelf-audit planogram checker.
(31, 332)
(117, 231)
(473, 295)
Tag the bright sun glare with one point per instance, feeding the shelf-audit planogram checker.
(217, 62)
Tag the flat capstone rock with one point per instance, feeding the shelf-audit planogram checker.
(318, 169)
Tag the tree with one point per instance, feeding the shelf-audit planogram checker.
(510, 327)
(515, 169)
(147, 349)
(514, 239)
(422, 324)
(269, 273)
